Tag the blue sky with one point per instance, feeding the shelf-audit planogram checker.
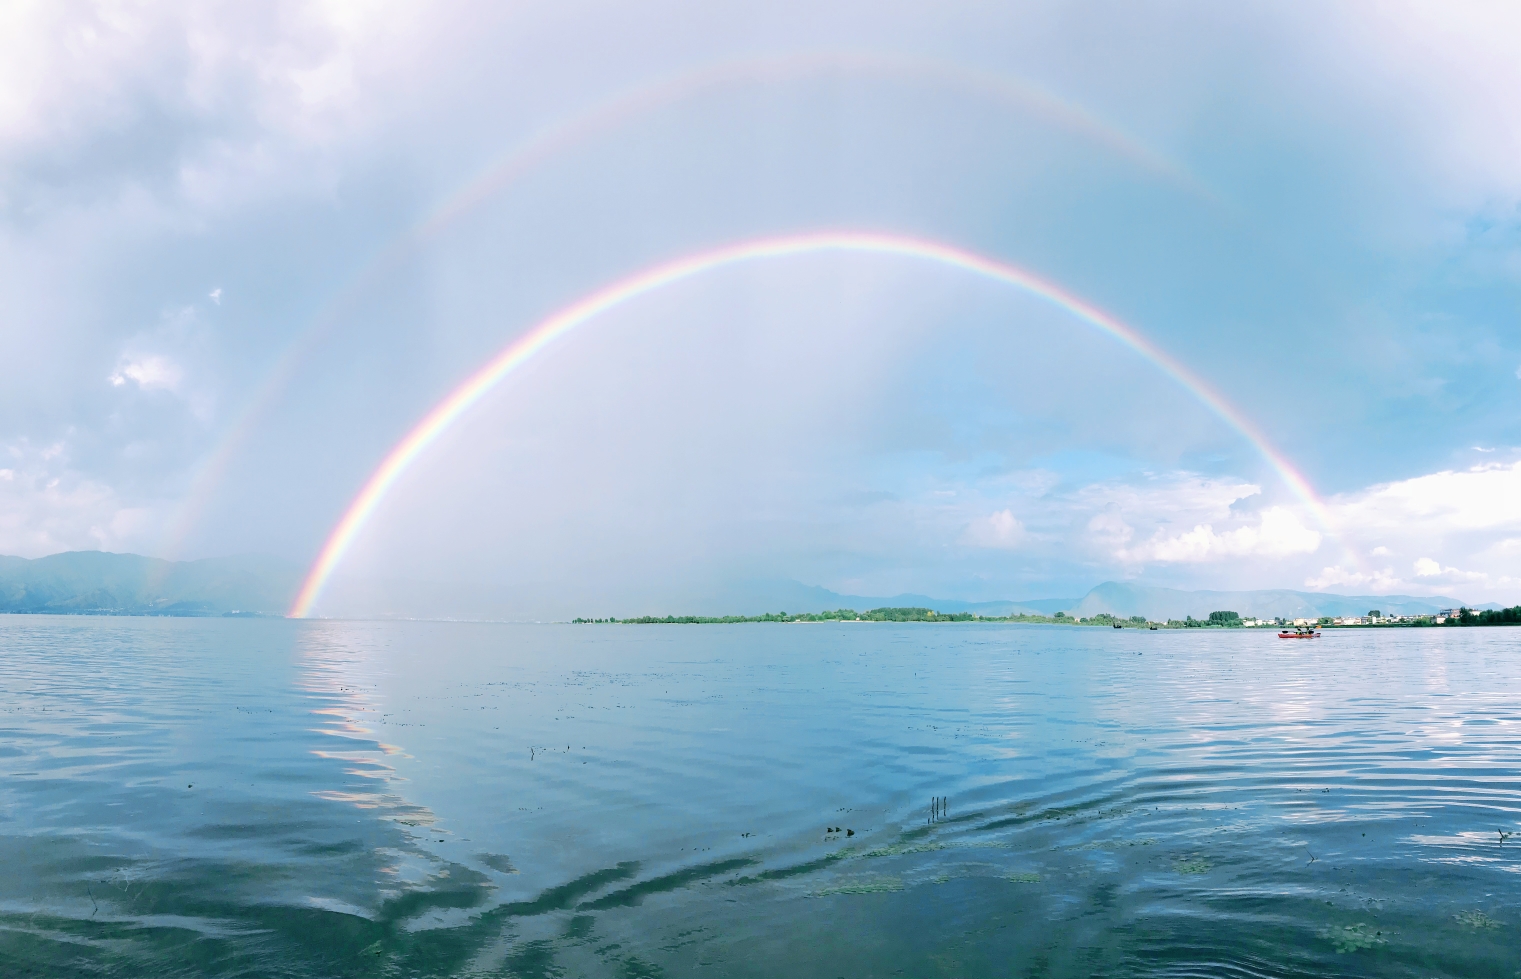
(1319, 211)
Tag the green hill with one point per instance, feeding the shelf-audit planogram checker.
(97, 582)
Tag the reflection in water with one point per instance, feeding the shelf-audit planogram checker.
(330, 676)
(628, 801)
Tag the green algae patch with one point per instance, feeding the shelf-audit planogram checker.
(1353, 938)
(877, 885)
(1475, 919)
(902, 849)
(1114, 844)
(1023, 878)
(1192, 864)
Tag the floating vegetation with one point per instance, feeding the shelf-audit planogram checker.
(1192, 864)
(1024, 878)
(1475, 919)
(877, 885)
(905, 849)
(1114, 844)
(1353, 938)
(902, 849)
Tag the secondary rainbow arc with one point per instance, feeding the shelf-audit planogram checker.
(546, 331)
(620, 109)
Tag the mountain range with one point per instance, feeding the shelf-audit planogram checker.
(1127, 598)
(756, 597)
(97, 582)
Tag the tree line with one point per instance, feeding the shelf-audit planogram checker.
(1489, 616)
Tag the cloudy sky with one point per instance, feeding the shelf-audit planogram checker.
(245, 248)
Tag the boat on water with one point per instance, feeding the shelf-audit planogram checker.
(1300, 632)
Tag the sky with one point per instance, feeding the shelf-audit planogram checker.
(245, 250)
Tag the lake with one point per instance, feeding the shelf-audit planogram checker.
(233, 797)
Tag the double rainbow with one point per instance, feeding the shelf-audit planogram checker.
(626, 108)
(479, 384)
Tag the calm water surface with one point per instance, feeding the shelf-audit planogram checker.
(235, 797)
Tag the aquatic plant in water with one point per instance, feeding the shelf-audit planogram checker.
(901, 849)
(877, 885)
(1353, 938)
(1024, 878)
(1192, 864)
(1475, 919)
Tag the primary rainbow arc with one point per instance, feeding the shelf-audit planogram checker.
(621, 109)
(478, 384)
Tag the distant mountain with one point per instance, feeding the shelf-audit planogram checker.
(101, 582)
(1127, 599)
(757, 597)
(1116, 598)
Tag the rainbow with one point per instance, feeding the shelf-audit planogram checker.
(620, 110)
(546, 331)
(604, 117)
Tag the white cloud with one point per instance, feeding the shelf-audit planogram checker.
(1001, 530)
(1458, 521)
(1170, 496)
(151, 373)
(1427, 568)
(216, 295)
(1482, 498)
(47, 506)
(1221, 529)
(1429, 575)
(173, 357)
(1380, 582)
(1110, 530)
(1277, 533)
(240, 100)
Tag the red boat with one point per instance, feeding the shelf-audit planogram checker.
(1309, 633)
